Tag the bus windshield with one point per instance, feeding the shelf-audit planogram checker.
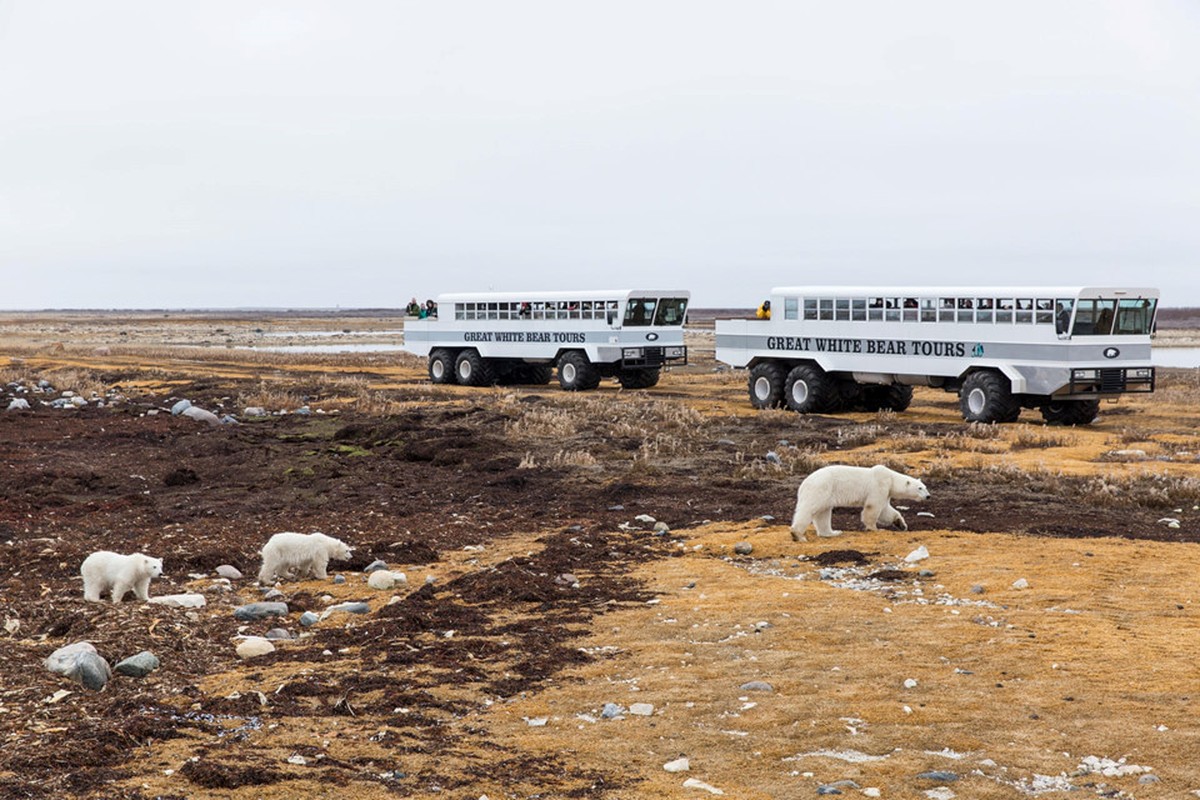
(1134, 317)
(671, 311)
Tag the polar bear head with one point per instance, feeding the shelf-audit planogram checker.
(336, 548)
(149, 566)
(906, 488)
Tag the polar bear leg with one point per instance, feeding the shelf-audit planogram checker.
(119, 590)
(319, 563)
(890, 516)
(823, 520)
(800, 521)
(141, 589)
(871, 515)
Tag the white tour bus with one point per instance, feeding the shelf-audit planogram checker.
(1061, 349)
(518, 337)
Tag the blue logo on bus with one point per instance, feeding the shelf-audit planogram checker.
(977, 350)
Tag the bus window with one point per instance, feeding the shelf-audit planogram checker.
(910, 309)
(1062, 316)
(791, 308)
(640, 311)
(826, 305)
(671, 311)
(928, 311)
(1004, 309)
(983, 309)
(965, 312)
(875, 309)
(1025, 310)
(611, 310)
(858, 310)
(1045, 311)
(946, 309)
(810, 308)
(1094, 317)
(1134, 317)
(841, 309)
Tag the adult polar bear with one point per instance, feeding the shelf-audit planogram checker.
(104, 570)
(841, 486)
(298, 555)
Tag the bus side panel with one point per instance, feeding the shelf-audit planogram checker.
(419, 336)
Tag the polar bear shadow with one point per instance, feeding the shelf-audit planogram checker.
(843, 486)
(106, 571)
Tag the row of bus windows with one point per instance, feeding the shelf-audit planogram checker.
(638, 311)
(1095, 317)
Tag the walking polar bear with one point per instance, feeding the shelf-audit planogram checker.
(840, 486)
(297, 555)
(104, 570)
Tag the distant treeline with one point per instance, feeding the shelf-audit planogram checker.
(1174, 318)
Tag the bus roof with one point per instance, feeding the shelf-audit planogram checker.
(968, 291)
(583, 294)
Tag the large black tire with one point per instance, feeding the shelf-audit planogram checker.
(576, 373)
(893, 397)
(441, 366)
(986, 396)
(538, 374)
(1070, 412)
(638, 378)
(766, 385)
(808, 390)
(472, 369)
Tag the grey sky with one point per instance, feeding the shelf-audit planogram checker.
(225, 154)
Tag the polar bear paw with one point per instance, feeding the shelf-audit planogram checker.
(829, 534)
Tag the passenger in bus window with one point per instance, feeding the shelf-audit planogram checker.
(1062, 316)
(764, 310)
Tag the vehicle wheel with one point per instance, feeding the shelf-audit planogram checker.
(766, 385)
(986, 396)
(441, 366)
(1070, 412)
(538, 374)
(894, 397)
(809, 390)
(638, 378)
(472, 369)
(576, 373)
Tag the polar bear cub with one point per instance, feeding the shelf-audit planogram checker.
(298, 555)
(840, 486)
(103, 571)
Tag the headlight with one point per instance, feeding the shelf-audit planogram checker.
(674, 352)
(631, 352)
(1085, 374)
(1144, 372)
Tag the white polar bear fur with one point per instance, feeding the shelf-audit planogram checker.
(104, 570)
(841, 486)
(298, 555)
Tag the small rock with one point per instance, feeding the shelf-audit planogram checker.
(727, 442)
(926, 573)
(920, 554)
(81, 663)
(1020, 583)
(309, 618)
(924, 513)
(348, 608)
(678, 765)
(384, 579)
(910, 683)
(138, 666)
(536, 722)
(757, 686)
(872, 791)
(254, 411)
(617, 507)
(566, 579)
(253, 646)
(374, 565)
(272, 593)
(692, 783)
(180, 600)
(641, 709)
(339, 579)
(767, 518)
(229, 571)
(1145, 779)
(661, 527)
(18, 404)
(828, 789)
(201, 415)
(977, 589)
(743, 548)
(180, 407)
(430, 580)
(252, 611)
(279, 634)
(646, 518)
(298, 760)
(773, 457)
(941, 776)
(611, 711)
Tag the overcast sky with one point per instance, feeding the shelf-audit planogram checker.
(302, 154)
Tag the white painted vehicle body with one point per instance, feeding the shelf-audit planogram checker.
(1043, 340)
(616, 332)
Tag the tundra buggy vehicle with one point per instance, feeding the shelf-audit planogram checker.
(518, 337)
(1060, 349)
